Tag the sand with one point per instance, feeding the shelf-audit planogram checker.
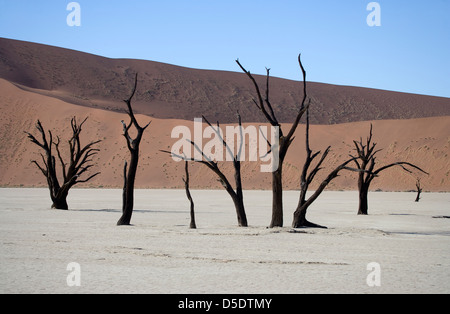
(159, 254)
(424, 142)
(171, 92)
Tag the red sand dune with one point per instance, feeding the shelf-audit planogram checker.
(54, 84)
(172, 92)
(424, 142)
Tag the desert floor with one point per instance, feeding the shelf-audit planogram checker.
(159, 254)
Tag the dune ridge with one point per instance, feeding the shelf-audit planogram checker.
(424, 142)
(173, 92)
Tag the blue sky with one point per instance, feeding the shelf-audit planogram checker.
(409, 52)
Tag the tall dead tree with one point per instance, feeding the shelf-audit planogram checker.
(365, 160)
(80, 162)
(133, 147)
(284, 141)
(192, 224)
(236, 194)
(307, 178)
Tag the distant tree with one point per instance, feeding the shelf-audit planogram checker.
(365, 160)
(308, 177)
(419, 189)
(80, 162)
(237, 194)
(133, 147)
(192, 224)
(284, 141)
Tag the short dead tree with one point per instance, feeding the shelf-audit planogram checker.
(236, 194)
(307, 178)
(192, 224)
(365, 161)
(419, 189)
(79, 163)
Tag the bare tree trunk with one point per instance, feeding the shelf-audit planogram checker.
(363, 208)
(129, 190)
(192, 224)
(124, 193)
(133, 147)
(418, 196)
(419, 190)
(300, 220)
(61, 202)
(277, 198)
(239, 196)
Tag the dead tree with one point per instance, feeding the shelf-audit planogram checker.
(284, 141)
(307, 178)
(80, 162)
(419, 189)
(365, 161)
(192, 224)
(236, 195)
(133, 147)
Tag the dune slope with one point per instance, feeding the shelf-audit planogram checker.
(424, 142)
(173, 92)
